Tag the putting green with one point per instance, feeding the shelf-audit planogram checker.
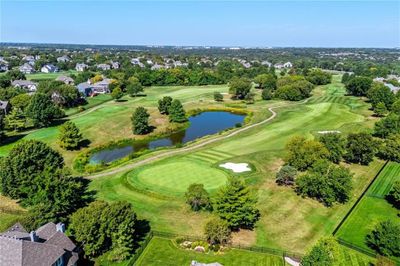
(173, 178)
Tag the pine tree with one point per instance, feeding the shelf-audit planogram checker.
(380, 109)
(176, 112)
(70, 137)
(140, 121)
(236, 204)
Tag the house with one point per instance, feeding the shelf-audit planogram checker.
(156, 66)
(287, 65)
(28, 85)
(115, 65)
(393, 88)
(81, 67)
(104, 66)
(85, 89)
(63, 59)
(49, 68)
(4, 107)
(26, 69)
(266, 63)
(66, 80)
(3, 67)
(136, 62)
(48, 245)
(102, 87)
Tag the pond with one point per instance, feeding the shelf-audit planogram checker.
(206, 123)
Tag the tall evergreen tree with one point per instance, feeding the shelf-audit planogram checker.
(176, 112)
(236, 204)
(140, 121)
(70, 137)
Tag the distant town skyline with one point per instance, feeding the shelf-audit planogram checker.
(209, 23)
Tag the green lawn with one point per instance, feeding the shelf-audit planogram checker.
(10, 213)
(372, 209)
(162, 251)
(41, 76)
(174, 177)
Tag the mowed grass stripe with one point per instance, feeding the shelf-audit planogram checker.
(196, 156)
(219, 156)
(383, 185)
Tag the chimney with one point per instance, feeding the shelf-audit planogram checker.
(60, 227)
(33, 236)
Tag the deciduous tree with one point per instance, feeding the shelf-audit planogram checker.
(176, 112)
(197, 197)
(140, 121)
(385, 238)
(217, 231)
(360, 148)
(164, 104)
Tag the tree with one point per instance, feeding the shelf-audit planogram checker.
(380, 109)
(70, 137)
(42, 110)
(326, 182)
(387, 126)
(16, 119)
(379, 93)
(266, 81)
(218, 97)
(385, 238)
(358, 86)
(335, 144)
(239, 87)
(102, 226)
(17, 179)
(390, 149)
(176, 112)
(134, 87)
(266, 94)
(21, 101)
(140, 121)
(293, 88)
(5, 82)
(164, 104)
(197, 197)
(2, 135)
(394, 194)
(319, 77)
(396, 107)
(117, 94)
(286, 175)
(236, 204)
(360, 148)
(302, 153)
(15, 75)
(324, 253)
(217, 231)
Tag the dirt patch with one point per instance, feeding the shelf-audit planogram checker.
(244, 237)
(160, 121)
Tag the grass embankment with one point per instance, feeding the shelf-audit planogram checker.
(162, 251)
(287, 220)
(372, 209)
(10, 212)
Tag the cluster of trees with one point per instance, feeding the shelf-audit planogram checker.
(318, 77)
(173, 108)
(293, 88)
(234, 203)
(385, 238)
(102, 227)
(35, 174)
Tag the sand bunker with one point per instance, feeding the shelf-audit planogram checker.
(236, 167)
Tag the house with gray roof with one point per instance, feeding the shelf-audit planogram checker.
(4, 107)
(49, 68)
(28, 85)
(48, 245)
(115, 65)
(104, 66)
(27, 69)
(63, 59)
(85, 88)
(65, 79)
(81, 67)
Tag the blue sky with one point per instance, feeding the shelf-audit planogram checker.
(214, 23)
